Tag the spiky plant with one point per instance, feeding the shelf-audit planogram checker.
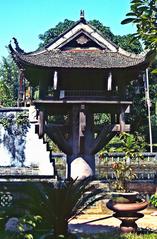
(58, 203)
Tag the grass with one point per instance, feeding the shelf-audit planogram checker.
(116, 236)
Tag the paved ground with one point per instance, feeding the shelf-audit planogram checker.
(90, 224)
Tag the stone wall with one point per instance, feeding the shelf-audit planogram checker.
(18, 171)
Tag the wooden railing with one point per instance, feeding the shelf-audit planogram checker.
(145, 169)
(87, 94)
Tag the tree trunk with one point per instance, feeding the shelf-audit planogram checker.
(60, 228)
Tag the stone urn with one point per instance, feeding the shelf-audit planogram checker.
(126, 207)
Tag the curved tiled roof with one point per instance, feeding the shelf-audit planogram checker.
(79, 59)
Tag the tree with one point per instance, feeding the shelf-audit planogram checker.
(8, 82)
(54, 32)
(126, 43)
(5, 96)
(122, 41)
(143, 14)
(105, 31)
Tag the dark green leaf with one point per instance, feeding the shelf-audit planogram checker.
(130, 14)
(127, 20)
(142, 8)
(136, 1)
(154, 71)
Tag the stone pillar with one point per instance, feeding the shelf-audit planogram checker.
(41, 123)
(89, 140)
(76, 130)
(122, 119)
(80, 163)
(74, 139)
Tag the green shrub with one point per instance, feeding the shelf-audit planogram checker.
(153, 200)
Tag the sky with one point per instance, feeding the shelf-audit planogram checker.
(26, 19)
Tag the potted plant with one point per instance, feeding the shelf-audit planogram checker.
(123, 202)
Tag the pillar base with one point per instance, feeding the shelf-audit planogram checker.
(80, 169)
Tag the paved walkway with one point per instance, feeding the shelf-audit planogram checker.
(90, 224)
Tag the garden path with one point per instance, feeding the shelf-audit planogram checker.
(84, 223)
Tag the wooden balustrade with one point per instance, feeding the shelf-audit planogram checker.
(86, 94)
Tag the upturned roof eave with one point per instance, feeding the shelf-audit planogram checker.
(23, 63)
(19, 58)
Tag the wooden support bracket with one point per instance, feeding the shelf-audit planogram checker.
(57, 136)
(103, 138)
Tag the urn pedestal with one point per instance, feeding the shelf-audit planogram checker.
(126, 207)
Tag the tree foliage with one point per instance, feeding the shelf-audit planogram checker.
(144, 14)
(5, 95)
(126, 43)
(54, 32)
(105, 31)
(8, 82)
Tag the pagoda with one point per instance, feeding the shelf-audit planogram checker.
(80, 75)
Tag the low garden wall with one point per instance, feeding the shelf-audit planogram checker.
(11, 191)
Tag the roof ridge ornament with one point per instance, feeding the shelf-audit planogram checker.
(82, 16)
(17, 48)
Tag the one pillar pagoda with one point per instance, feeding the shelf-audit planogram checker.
(80, 74)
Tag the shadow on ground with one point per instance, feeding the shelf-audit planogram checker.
(90, 229)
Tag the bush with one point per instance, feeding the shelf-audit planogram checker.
(153, 200)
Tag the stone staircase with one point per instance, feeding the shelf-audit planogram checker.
(36, 154)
